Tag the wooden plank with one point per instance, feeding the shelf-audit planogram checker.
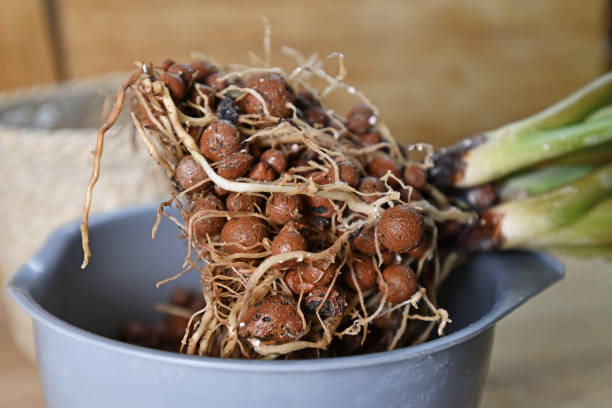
(25, 50)
(438, 69)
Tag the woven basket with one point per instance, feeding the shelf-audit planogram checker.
(46, 138)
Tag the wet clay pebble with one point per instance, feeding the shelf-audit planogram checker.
(221, 192)
(330, 306)
(316, 117)
(175, 327)
(210, 225)
(288, 239)
(408, 195)
(176, 85)
(182, 70)
(244, 232)
(400, 281)
(481, 197)
(133, 332)
(292, 279)
(360, 119)
(415, 176)
(306, 99)
(274, 90)
(449, 229)
(316, 272)
(214, 81)
(275, 159)
(262, 172)
(381, 165)
(167, 63)
(181, 297)
(364, 271)
(202, 69)
(348, 172)
(371, 138)
(419, 251)
(241, 202)
(236, 165)
(370, 185)
(273, 320)
(320, 207)
(388, 320)
(195, 95)
(282, 208)
(365, 242)
(400, 228)
(189, 173)
(219, 140)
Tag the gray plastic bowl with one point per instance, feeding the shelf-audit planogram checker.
(76, 313)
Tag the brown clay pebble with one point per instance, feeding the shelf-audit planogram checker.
(400, 228)
(449, 229)
(317, 273)
(315, 115)
(244, 232)
(388, 257)
(415, 176)
(371, 138)
(364, 271)
(181, 297)
(420, 250)
(221, 192)
(241, 202)
(365, 242)
(133, 332)
(274, 90)
(235, 165)
(167, 63)
(409, 195)
(481, 197)
(219, 140)
(262, 172)
(275, 159)
(292, 279)
(401, 282)
(189, 173)
(195, 97)
(215, 82)
(348, 172)
(288, 239)
(320, 207)
(182, 70)
(381, 165)
(360, 119)
(273, 320)
(370, 185)
(322, 178)
(211, 225)
(175, 327)
(334, 303)
(175, 84)
(282, 208)
(202, 69)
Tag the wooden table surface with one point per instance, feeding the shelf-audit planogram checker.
(556, 351)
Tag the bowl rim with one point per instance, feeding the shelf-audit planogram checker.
(17, 289)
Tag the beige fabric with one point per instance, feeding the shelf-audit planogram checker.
(43, 178)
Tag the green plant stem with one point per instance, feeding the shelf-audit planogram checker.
(499, 157)
(529, 219)
(593, 229)
(539, 180)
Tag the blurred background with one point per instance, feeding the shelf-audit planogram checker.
(438, 70)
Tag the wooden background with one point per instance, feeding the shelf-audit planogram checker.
(438, 70)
